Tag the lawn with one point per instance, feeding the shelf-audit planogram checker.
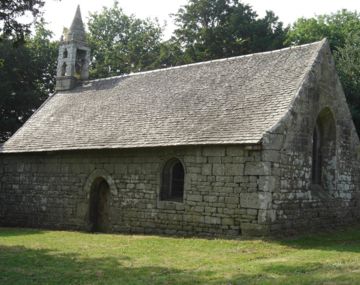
(57, 257)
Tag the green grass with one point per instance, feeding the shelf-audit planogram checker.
(57, 257)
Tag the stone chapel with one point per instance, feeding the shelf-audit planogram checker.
(259, 144)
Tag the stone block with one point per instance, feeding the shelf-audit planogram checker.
(252, 212)
(213, 151)
(211, 199)
(214, 159)
(235, 150)
(194, 169)
(212, 220)
(268, 183)
(198, 209)
(227, 221)
(266, 216)
(257, 168)
(121, 168)
(256, 200)
(206, 169)
(234, 169)
(271, 155)
(210, 210)
(194, 198)
(250, 229)
(180, 207)
(231, 200)
(273, 141)
(218, 169)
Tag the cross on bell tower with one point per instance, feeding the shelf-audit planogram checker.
(74, 56)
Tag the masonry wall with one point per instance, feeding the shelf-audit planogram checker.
(297, 204)
(222, 194)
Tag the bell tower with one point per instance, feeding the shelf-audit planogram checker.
(74, 56)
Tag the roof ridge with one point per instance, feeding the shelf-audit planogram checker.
(203, 62)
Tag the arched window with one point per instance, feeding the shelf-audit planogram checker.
(324, 151)
(65, 53)
(316, 157)
(172, 186)
(63, 69)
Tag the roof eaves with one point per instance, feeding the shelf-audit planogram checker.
(248, 144)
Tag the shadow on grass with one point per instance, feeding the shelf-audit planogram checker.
(20, 265)
(304, 273)
(11, 232)
(347, 240)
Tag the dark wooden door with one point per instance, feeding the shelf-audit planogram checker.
(99, 206)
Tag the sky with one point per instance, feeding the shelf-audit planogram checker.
(59, 14)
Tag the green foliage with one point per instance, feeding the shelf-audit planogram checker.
(27, 78)
(209, 29)
(44, 53)
(10, 11)
(122, 44)
(335, 27)
(348, 65)
(58, 257)
(170, 54)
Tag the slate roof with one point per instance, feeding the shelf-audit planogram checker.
(227, 101)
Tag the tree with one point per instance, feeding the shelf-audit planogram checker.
(44, 53)
(348, 65)
(170, 54)
(335, 27)
(27, 75)
(209, 29)
(122, 44)
(10, 11)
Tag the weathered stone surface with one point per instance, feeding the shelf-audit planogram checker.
(58, 195)
(274, 141)
(253, 229)
(249, 200)
(213, 151)
(257, 168)
(297, 204)
(268, 183)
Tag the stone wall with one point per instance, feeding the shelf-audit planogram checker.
(222, 194)
(297, 204)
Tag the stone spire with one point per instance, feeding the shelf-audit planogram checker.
(77, 31)
(74, 56)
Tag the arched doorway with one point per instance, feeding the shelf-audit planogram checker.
(99, 205)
